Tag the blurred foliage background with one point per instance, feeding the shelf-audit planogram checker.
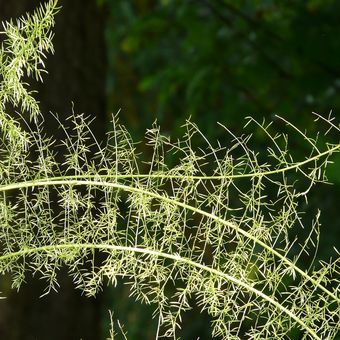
(168, 60)
(222, 60)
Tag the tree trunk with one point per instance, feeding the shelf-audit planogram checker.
(76, 75)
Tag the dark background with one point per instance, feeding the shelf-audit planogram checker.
(216, 61)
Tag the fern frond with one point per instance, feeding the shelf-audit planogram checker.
(216, 223)
(228, 254)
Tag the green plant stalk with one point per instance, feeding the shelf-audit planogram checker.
(48, 182)
(194, 177)
(175, 258)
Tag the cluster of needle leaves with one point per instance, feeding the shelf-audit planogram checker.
(214, 224)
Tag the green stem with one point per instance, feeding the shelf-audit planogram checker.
(170, 201)
(175, 258)
(213, 177)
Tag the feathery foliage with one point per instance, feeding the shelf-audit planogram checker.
(214, 224)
